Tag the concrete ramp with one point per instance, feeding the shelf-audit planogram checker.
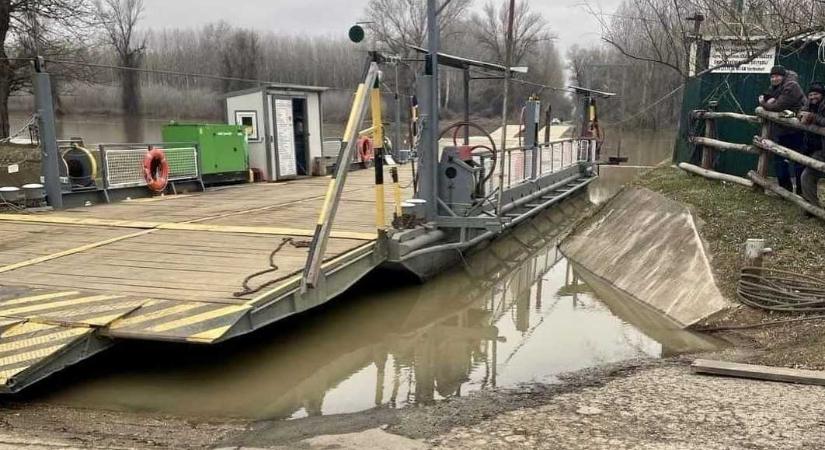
(648, 246)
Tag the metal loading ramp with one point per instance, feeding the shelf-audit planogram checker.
(31, 351)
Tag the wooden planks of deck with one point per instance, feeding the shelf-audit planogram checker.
(188, 248)
(163, 269)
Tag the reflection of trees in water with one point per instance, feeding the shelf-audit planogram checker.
(435, 359)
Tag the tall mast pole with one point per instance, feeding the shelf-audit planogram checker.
(508, 62)
(428, 186)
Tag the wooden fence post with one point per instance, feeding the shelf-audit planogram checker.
(764, 156)
(708, 153)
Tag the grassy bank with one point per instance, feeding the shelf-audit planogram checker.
(730, 214)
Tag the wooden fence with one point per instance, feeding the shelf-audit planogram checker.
(761, 146)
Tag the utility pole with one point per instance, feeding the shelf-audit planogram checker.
(428, 98)
(44, 109)
(508, 61)
(48, 139)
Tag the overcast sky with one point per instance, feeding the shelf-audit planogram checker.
(567, 18)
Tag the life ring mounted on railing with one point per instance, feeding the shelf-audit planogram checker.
(365, 151)
(156, 170)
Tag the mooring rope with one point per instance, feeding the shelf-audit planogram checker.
(272, 268)
(781, 290)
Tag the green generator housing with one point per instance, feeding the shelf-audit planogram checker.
(223, 149)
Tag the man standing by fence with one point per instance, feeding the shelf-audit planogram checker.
(813, 113)
(785, 94)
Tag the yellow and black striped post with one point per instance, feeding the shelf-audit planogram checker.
(378, 145)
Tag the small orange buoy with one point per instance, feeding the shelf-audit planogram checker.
(156, 170)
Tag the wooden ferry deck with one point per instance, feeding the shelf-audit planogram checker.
(167, 268)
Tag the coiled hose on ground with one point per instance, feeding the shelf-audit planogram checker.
(781, 290)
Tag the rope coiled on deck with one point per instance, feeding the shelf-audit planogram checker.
(781, 290)
(272, 268)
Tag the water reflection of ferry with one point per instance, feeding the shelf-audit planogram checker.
(458, 333)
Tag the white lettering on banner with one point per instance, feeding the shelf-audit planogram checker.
(286, 137)
(734, 57)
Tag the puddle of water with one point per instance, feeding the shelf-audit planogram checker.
(517, 313)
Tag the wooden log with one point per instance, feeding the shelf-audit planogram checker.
(724, 146)
(725, 115)
(708, 155)
(785, 152)
(790, 122)
(764, 157)
(787, 195)
(713, 175)
(782, 374)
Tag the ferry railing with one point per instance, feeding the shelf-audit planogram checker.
(553, 156)
(761, 145)
(122, 164)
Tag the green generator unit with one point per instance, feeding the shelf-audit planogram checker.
(224, 151)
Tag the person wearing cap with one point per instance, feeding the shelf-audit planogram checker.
(813, 113)
(785, 94)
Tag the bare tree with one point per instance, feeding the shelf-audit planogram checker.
(398, 24)
(240, 56)
(490, 29)
(50, 28)
(661, 31)
(120, 19)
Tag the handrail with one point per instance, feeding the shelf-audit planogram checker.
(722, 145)
(789, 122)
(761, 145)
(785, 152)
(702, 114)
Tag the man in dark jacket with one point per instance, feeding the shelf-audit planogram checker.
(813, 113)
(785, 94)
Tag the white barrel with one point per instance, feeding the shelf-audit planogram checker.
(419, 207)
(35, 194)
(10, 194)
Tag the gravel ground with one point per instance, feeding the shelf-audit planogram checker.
(660, 408)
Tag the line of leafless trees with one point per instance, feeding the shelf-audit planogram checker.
(111, 32)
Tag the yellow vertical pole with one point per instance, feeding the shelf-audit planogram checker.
(378, 145)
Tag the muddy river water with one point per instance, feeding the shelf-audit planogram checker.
(516, 312)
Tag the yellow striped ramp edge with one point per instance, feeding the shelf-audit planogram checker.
(166, 320)
(25, 348)
(67, 307)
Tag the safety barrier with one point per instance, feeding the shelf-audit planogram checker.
(123, 164)
(761, 146)
(553, 156)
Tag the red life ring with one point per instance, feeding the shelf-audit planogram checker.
(156, 170)
(365, 153)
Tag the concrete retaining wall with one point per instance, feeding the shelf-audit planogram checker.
(648, 246)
